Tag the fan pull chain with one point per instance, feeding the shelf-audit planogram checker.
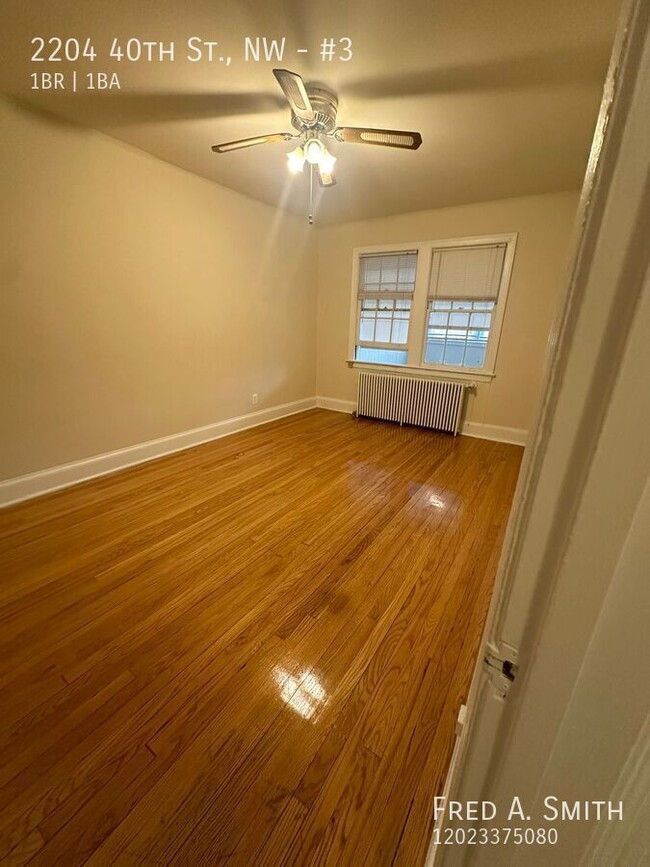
(311, 195)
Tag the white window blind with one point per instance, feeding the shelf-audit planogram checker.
(467, 273)
(388, 275)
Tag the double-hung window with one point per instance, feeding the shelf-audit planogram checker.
(436, 306)
(385, 299)
(463, 291)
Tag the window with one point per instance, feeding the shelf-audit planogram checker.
(386, 286)
(463, 290)
(436, 306)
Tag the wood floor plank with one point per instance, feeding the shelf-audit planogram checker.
(24, 851)
(249, 652)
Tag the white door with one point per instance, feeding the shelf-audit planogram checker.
(573, 593)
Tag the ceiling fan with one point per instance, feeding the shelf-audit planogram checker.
(313, 115)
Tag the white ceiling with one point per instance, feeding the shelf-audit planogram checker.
(505, 94)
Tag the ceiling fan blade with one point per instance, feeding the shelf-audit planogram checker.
(295, 91)
(389, 138)
(325, 179)
(250, 142)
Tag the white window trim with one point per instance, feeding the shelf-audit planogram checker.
(417, 325)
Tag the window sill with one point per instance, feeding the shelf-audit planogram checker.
(471, 377)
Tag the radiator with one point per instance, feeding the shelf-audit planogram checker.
(411, 400)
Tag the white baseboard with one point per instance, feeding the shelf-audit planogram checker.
(54, 478)
(336, 404)
(513, 435)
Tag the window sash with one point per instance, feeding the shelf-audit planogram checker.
(465, 336)
(390, 316)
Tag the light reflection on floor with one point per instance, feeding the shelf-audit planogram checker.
(437, 501)
(427, 496)
(304, 694)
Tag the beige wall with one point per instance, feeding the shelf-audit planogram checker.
(544, 225)
(137, 300)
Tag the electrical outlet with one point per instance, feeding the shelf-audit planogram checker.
(253, 399)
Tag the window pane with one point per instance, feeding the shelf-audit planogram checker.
(459, 319)
(434, 350)
(462, 305)
(439, 319)
(475, 354)
(480, 320)
(454, 351)
(381, 356)
(484, 305)
(399, 333)
(369, 304)
(441, 305)
(367, 328)
(382, 330)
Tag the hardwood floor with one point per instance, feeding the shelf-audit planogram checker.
(249, 653)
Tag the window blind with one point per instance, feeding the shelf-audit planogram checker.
(391, 275)
(468, 273)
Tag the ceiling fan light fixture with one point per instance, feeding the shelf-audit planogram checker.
(326, 162)
(314, 151)
(314, 117)
(296, 160)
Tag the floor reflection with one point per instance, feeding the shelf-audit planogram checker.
(304, 694)
(437, 501)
